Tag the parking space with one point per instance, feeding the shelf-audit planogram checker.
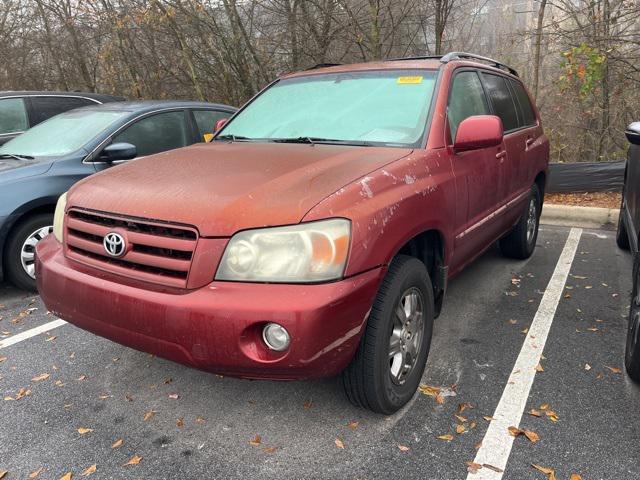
(72, 400)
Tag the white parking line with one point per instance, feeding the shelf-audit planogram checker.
(7, 342)
(497, 443)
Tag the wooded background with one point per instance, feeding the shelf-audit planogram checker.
(579, 58)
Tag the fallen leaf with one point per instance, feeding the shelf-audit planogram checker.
(149, 414)
(549, 472)
(2, 359)
(515, 431)
(35, 473)
(81, 378)
(614, 369)
(488, 419)
(180, 423)
(135, 460)
(587, 367)
(535, 413)
(257, 440)
(308, 404)
(473, 425)
(473, 467)
(544, 406)
(460, 429)
(39, 378)
(448, 437)
(269, 449)
(464, 406)
(532, 436)
(553, 416)
(460, 418)
(104, 396)
(592, 329)
(167, 381)
(59, 383)
(118, 443)
(3, 473)
(539, 368)
(66, 476)
(439, 399)
(174, 396)
(403, 448)
(353, 425)
(51, 338)
(525, 331)
(575, 476)
(512, 322)
(491, 467)
(200, 420)
(339, 443)
(83, 431)
(89, 470)
(429, 390)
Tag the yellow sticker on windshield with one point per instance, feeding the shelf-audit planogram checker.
(405, 80)
(207, 137)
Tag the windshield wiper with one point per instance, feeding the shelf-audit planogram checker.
(233, 138)
(16, 156)
(314, 140)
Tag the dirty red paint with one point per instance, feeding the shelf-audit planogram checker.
(389, 194)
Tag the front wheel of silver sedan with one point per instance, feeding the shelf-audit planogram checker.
(386, 370)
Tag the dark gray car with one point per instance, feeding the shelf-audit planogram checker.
(20, 111)
(44, 162)
(627, 238)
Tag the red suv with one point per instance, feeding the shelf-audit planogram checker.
(316, 233)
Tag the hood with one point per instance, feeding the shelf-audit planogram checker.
(221, 188)
(12, 169)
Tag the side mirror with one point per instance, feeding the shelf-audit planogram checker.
(118, 151)
(479, 131)
(219, 124)
(633, 133)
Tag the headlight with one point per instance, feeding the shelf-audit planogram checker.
(308, 252)
(58, 217)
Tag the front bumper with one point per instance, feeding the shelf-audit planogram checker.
(218, 327)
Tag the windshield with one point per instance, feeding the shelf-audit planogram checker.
(388, 107)
(62, 134)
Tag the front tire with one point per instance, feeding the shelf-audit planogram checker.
(632, 351)
(19, 258)
(388, 365)
(520, 242)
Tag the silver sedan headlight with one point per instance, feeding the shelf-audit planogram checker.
(303, 253)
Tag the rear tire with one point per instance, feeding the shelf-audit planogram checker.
(520, 242)
(388, 365)
(632, 351)
(622, 237)
(20, 250)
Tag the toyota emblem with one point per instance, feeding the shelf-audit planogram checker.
(114, 244)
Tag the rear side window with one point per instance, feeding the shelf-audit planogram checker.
(157, 133)
(528, 118)
(466, 99)
(503, 104)
(46, 107)
(206, 120)
(13, 115)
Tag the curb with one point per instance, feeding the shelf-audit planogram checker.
(585, 217)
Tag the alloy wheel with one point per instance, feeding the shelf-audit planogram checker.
(406, 336)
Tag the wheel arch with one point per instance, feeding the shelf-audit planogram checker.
(429, 247)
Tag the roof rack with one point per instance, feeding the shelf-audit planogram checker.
(461, 56)
(323, 65)
(464, 56)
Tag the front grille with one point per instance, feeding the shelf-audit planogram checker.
(156, 252)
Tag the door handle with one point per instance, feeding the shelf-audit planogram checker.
(529, 142)
(501, 155)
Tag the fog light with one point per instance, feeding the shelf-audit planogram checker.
(276, 337)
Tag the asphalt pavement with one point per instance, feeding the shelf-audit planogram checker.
(71, 400)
